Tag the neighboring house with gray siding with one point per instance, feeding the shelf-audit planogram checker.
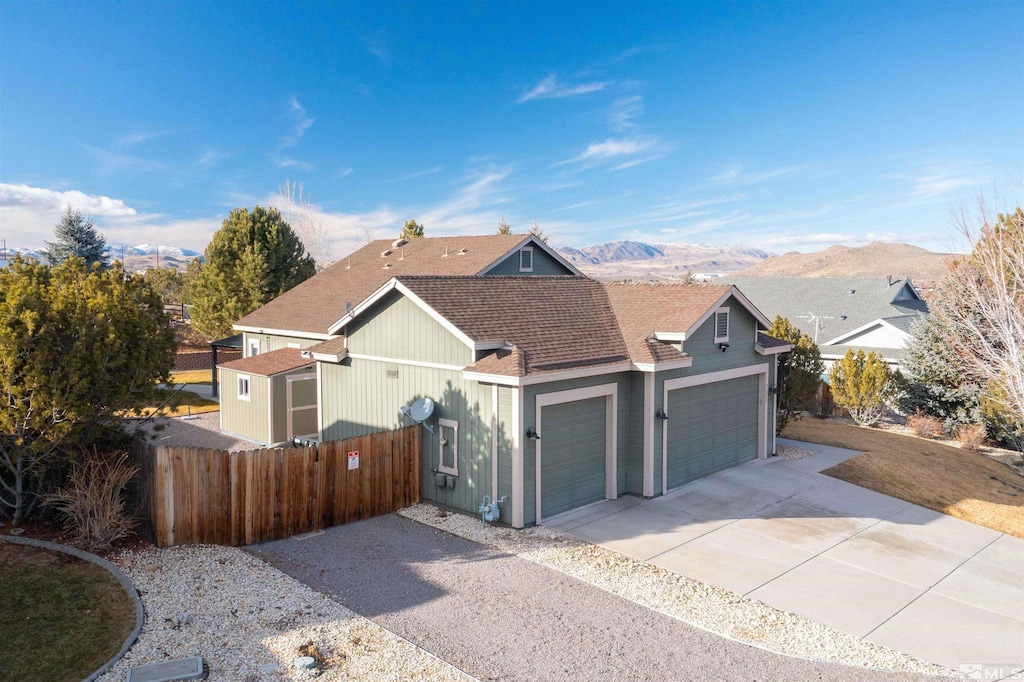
(551, 389)
(840, 313)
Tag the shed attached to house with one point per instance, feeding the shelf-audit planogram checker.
(270, 398)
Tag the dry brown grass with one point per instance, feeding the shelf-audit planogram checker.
(957, 482)
(191, 376)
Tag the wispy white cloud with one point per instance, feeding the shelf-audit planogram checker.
(613, 149)
(140, 136)
(624, 113)
(642, 49)
(550, 88)
(342, 173)
(555, 186)
(417, 174)
(212, 158)
(301, 122)
(736, 175)
(377, 46)
(109, 162)
(287, 162)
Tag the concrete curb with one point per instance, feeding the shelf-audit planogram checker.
(125, 581)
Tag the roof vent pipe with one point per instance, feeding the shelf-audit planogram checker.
(445, 251)
(348, 307)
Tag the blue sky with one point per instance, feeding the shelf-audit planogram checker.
(787, 126)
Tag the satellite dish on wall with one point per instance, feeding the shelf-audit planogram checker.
(419, 411)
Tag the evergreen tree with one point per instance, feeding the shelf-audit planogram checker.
(78, 346)
(862, 384)
(412, 230)
(799, 372)
(936, 383)
(76, 236)
(537, 232)
(252, 259)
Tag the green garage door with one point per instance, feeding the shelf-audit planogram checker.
(572, 455)
(711, 427)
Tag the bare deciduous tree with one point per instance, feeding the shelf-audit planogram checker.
(298, 210)
(982, 303)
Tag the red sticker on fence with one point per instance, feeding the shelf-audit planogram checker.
(353, 460)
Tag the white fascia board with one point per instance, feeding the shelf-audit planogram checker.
(761, 350)
(285, 332)
(840, 340)
(743, 300)
(672, 337)
(547, 377)
(663, 366)
(530, 239)
(330, 357)
(395, 285)
(490, 345)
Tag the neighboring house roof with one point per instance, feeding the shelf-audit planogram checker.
(313, 306)
(834, 307)
(679, 307)
(269, 364)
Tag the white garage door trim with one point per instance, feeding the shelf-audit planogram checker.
(611, 394)
(710, 378)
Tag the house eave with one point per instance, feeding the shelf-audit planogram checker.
(284, 332)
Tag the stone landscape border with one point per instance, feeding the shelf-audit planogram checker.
(126, 583)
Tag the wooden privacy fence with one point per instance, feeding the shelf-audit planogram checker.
(193, 495)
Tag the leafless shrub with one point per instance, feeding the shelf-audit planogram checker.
(971, 437)
(92, 501)
(924, 425)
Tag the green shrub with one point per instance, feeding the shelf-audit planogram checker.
(863, 384)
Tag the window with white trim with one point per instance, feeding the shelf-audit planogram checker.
(243, 387)
(722, 325)
(526, 259)
(448, 446)
(254, 347)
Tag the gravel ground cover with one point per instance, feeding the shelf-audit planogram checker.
(249, 622)
(500, 617)
(692, 601)
(793, 452)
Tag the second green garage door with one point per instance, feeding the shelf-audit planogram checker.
(710, 427)
(572, 467)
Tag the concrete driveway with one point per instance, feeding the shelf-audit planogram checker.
(923, 583)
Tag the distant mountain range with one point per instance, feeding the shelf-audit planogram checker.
(138, 257)
(877, 259)
(660, 262)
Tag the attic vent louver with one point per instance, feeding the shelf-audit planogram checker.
(387, 265)
(853, 291)
(386, 253)
(462, 252)
(399, 242)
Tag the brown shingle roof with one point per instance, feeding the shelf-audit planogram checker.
(766, 341)
(643, 309)
(554, 323)
(269, 364)
(319, 302)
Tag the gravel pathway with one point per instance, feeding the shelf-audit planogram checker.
(249, 620)
(498, 616)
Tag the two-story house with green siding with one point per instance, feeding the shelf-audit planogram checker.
(552, 390)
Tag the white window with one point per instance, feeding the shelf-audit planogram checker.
(243, 387)
(254, 347)
(448, 441)
(526, 259)
(722, 325)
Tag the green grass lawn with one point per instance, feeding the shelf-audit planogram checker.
(61, 618)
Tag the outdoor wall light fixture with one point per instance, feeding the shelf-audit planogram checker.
(532, 434)
(660, 414)
(723, 346)
(773, 389)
